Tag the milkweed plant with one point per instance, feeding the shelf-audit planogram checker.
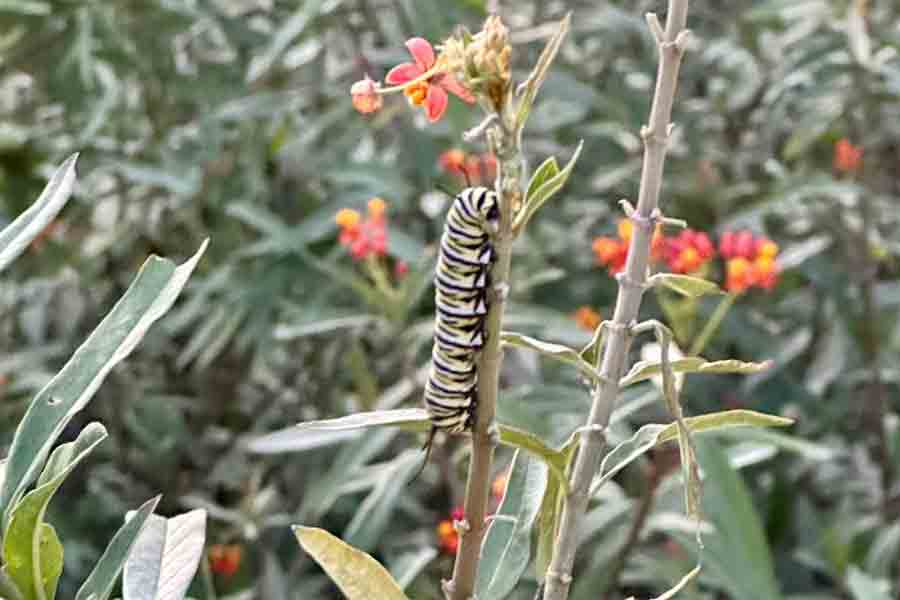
(534, 513)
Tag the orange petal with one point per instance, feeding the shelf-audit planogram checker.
(435, 103)
(421, 51)
(402, 73)
(452, 85)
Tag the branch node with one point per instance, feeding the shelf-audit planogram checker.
(462, 527)
(479, 130)
(501, 291)
(591, 429)
(683, 39)
(626, 281)
(656, 27)
(447, 587)
(493, 435)
(669, 129)
(563, 578)
(646, 223)
(670, 222)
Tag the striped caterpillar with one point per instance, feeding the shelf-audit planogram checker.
(462, 278)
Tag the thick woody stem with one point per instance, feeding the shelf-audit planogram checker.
(671, 43)
(505, 145)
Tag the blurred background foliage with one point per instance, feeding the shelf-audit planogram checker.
(231, 119)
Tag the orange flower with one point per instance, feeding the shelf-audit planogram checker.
(498, 487)
(224, 559)
(750, 261)
(689, 251)
(847, 157)
(448, 538)
(587, 318)
(613, 253)
(452, 161)
(364, 238)
(471, 169)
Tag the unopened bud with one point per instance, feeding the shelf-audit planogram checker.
(366, 98)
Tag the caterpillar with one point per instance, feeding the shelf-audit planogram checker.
(462, 278)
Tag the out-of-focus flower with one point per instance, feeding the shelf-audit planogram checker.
(689, 251)
(587, 318)
(448, 537)
(847, 157)
(613, 253)
(498, 487)
(401, 269)
(470, 169)
(366, 96)
(225, 559)
(749, 261)
(364, 238)
(425, 81)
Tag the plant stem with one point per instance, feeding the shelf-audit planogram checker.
(505, 146)
(671, 44)
(712, 325)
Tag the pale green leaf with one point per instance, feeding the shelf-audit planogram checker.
(165, 557)
(547, 170)
(358, 575)
(505, 551)
(18, 234)
(551, 350)
(865, 587)
(29, 545)
(547, 190)
(686, 285)
(532, 85)
(102, 579)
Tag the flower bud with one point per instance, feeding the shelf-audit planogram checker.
(366, 98)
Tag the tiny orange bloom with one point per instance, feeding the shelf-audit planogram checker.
(225, 559)
(498, 487)
(738, 275)
(365, 96)
(448, 538)
(587, 318)
(347, 218)
(847, 157)
(377, 206)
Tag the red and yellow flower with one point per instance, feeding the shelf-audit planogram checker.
(470, 169)
(225, 559)
(847, 157)
(750, 261)
(613, 253)
(587, 318)
(689, 251)
(364, 237)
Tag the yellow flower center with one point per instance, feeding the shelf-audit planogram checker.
(416, 92)
(347, 217)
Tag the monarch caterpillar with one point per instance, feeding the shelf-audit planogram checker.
(462, 278)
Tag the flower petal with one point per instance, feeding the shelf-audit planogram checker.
(435, 103)
(452, 85)
(421, 51)
(402, 73)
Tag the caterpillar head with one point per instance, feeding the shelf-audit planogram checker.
(490, 211)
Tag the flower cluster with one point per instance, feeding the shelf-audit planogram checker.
(468, 66)
(750, 261)
(364, 237)
(689, 251)
(225, 559)
(448, 537)
(847, 157)
(470, 169)
(613, 252)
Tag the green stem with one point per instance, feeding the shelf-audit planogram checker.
(712, 325)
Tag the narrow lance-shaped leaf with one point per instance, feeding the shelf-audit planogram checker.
(547, 190)
(505, 551)
(31, 552)
(100, 583)
(358, 575)
(531, 86)
(644, 370)
(551, 350)
(18, 234)
(686, 285)
(165, 557)
(152, 293)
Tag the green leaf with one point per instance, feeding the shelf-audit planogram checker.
(737, 555)
(506, 549)
(551, 350)
(18, 234)
(372, 518)
(643, 370)
(8, 589)
(31, 552)
(547, 523)
(865, 587)
(547, 170)
(150, 295)
(532, 85)
(358, 575)
(654, 434)
(548, 189)
(165, 557)
(692, 287)
(524, 440)
(100, 583)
